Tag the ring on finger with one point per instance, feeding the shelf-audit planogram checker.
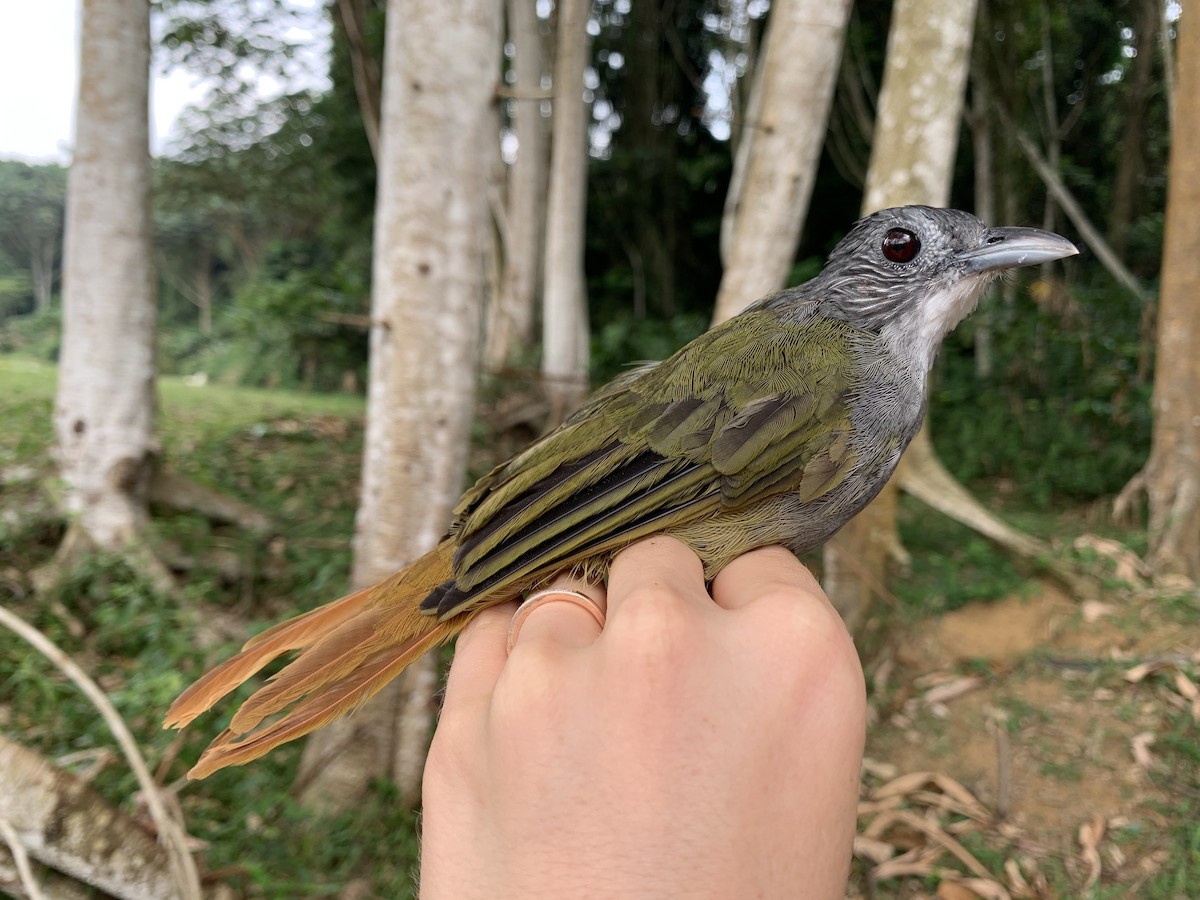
(551, 595)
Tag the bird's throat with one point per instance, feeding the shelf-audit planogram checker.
(920, 335)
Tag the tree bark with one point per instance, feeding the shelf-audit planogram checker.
(780, 145)
(439, 70)
(1171, 478)
(912, 161)
(104, 409)
(564, 312)
(510, 315)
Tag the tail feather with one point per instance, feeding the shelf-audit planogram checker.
(348, 646)
(334, 700)
(328, 660)
(294, 634)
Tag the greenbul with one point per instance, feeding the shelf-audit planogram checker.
(775, 427)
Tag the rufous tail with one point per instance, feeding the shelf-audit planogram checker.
(350, 648)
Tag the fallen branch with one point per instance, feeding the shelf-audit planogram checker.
(63, 823)
(36, 786)
(184, 495)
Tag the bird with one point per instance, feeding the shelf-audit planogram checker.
(774, 427)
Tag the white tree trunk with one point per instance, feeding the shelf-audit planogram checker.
(510, 315)
(779, 149)
(564, 315)
(439, 70)
(104, 411)
(912, 161)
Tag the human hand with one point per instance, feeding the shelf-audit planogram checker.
(697, 746)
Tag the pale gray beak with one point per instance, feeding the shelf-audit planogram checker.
(1007, 248)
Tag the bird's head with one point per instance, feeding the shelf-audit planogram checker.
(914, 272)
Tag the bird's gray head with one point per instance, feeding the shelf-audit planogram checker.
(912, 273)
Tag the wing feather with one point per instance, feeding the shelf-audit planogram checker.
(734, 417)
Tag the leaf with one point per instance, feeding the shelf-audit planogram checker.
(1090, 835)
(1140, 746)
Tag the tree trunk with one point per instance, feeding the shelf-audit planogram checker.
(980, 119)
(510, 315)
(1131, 160)
(430, 220)
(352, 16)
(912, 161)
(780, 145)
(45, 247)
(104, 410)
(204, 293)
(564, 314)
(1172, 474)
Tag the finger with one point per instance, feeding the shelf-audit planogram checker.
(479, 655)
(660, 564)
(558, 619)
(760, 572)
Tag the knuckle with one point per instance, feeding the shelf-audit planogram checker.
(654, 633)
(807, 643)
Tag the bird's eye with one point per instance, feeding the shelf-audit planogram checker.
(901, 245)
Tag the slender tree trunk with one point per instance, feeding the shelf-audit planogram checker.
(1131, 160)
(352, 16)
(204, 288)
(104, 409)
(982, 143)
(780, 145)
(1053, 135)
(1172, 474)
(44, 250)
(510, 315)
(564, 316)
(912, 161)
(430, 222)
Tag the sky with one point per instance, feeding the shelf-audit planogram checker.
(39, 48)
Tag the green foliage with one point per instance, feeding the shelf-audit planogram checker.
(951, 564)
(1065, 412)
(32, 204)
(36, 335)
(16, 287)
(625, 340)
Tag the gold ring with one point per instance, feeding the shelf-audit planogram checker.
(551, 595)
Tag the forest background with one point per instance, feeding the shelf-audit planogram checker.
(264, 218)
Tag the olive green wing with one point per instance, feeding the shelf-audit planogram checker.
(737, 415)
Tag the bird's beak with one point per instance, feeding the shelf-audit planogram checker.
(1007, 248)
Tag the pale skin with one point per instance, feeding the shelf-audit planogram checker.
(699, 745)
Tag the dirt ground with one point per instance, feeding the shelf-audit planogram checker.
(1018, 737)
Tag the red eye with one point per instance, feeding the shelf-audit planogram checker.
(901, 246)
